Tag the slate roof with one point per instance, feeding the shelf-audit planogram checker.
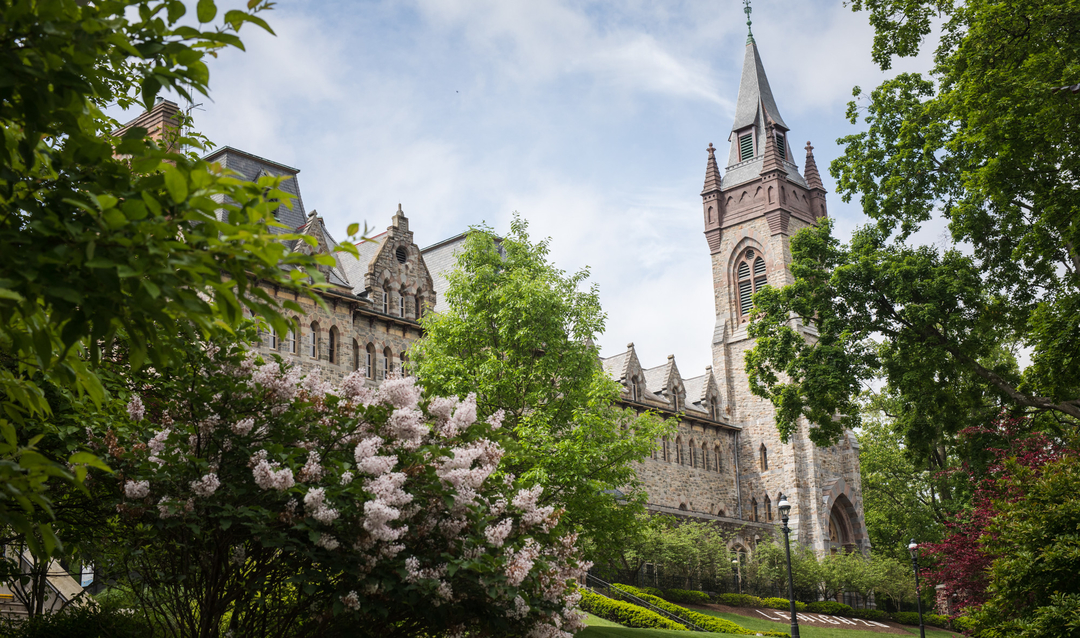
(696, 389)
(337, 275)
(615, 366)
(656, 378)
(250, 167)
(755, 95)
(440, 259)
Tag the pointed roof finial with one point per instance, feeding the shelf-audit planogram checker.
(748, 9)
(810, 170)
(399, 209)
(712, 172)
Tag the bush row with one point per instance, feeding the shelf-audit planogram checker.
(833, 608)
(708, 623)
(624, 613)
(681, 596)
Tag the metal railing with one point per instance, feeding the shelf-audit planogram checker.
(594, 583)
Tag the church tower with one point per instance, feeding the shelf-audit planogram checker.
(750, 213)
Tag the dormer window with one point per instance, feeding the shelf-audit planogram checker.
(746, 146)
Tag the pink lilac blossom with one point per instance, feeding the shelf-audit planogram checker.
(351, 601)
(496, 420)
(136, 489)
(496, 534)
(313, 385)
(464, 416)
(346, 477)
(206, 485)
(315, 505)
(135, 408)
(157, 443)
(520, 609)
(520, 563)
(267, 476)
(400, 392)
(354, 388)
(243, 426)
(407, 426)
(328, 542)
(312, 471)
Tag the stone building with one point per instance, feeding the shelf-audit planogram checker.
(726, 463)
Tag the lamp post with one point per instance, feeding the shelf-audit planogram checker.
(738, 573)
(785, 509)
(913, 549)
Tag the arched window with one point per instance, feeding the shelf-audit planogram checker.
(369, 362)
(704, 456)
(678, 450)
(418, 308)
(272, 339)
(401, 305)
(693, 456)
(403, 366)
(332, 345)
(290, 342)
(355, 354)
(751, 278)
(313, 341)
(386, 301)
(664, 453)
(763, 454)
(753, 509)
(387, 356)
(768, 509)
(716, 458)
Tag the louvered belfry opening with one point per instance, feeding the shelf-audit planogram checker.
(748, 284)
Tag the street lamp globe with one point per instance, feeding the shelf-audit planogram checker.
(784, 507)
(913, 549)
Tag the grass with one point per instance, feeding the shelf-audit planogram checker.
(806, 631)
(600, 628)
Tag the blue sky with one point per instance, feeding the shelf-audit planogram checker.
(589, 118)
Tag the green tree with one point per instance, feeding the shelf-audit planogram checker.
(1035, 579)
(987, 144)
(901, 500)
(519, 333)
(103, 235)
(691, 550)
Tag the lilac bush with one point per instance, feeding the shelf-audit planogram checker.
(256, 501)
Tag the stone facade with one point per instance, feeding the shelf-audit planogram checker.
(726, 462)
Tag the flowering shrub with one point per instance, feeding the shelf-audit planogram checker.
(260, 502)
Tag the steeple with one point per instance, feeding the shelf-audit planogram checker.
(810, 171)
(755, 96)
(712, 172)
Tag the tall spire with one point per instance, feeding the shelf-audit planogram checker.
(755, 102)
(810, 171)
(748, 10)
(712, 172)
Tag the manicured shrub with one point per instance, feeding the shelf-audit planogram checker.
(906, 617)
(652, 591)
(830, 607)
(936, 620)
(708, 623)
(962, 623)
(781, 603)
(683, 596)
(869, 614)
(625, 613)
(738, 600)
(81, 622)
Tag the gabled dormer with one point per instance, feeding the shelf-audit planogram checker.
(391, 272)
(324, 244)
(626, 369)
(664, 384)
(703, 395)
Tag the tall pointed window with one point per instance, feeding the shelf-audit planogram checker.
(355, 355)
(386, 302)
(313, 341)
(753, 508)
(768, 509)
(331, 351)
(401, 305)
(290, 342)
(763, 454)
(716, 457)
(751, 278)
(369, 362)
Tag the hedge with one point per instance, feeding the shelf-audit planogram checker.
(682, 596)
(869, 614)
(782, 603)
(624, 613)
(78, 622)
(739, 600)
(708, 623)
(652, 590)
(830, 607)
(912, 618)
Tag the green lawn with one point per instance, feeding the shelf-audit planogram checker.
(600, 628)
(818, 632)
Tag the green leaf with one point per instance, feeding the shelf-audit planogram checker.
(176, 184)
(206, 10)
